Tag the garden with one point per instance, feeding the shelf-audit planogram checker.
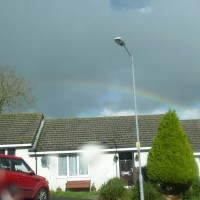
(171, 172)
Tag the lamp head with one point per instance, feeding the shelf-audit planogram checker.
(119, 41)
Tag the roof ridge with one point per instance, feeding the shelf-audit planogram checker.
(106, 117)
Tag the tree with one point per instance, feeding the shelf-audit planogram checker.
(15, 92)
(171, 161)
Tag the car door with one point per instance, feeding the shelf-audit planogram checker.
(25, 180)
(7, 173)
(8, 179)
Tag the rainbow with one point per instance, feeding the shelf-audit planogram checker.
(119, 89)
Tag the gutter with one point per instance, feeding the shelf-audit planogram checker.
(82, 151)
(15, 145)
(34, 148)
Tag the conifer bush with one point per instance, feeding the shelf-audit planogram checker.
(114, 189)
(171, 161)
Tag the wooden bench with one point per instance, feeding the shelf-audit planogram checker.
(78, 185)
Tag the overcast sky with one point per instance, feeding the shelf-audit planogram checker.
(66, 48)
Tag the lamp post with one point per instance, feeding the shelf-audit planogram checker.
(120, 41)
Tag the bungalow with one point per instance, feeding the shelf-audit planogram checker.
(18, 133)
(92, 150)
(97, 149)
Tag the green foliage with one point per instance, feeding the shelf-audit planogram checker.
(113, 189)
(194, 191)
(135, 194)
(15, 91)
(150, 192)
(58, 189)
(171, 161)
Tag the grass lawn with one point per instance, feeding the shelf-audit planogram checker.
(73, 194)
(81, 195)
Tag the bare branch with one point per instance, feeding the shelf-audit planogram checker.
(15, 92)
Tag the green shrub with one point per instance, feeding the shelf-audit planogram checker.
(150, 192)
(113, 190)
(171, 161)
(193, 192)
(135, 194)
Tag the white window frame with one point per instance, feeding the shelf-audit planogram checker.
(67, 165)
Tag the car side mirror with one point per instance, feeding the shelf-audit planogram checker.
(31, 172)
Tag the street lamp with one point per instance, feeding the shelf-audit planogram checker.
(120, 41)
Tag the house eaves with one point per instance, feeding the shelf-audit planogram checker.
(15, 145)
(83, 151)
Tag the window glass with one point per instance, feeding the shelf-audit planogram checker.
(2, 151)
(4, 164)
(62, 166)
(11, 152)
(83, 168)
(20, 166)
(72, 165)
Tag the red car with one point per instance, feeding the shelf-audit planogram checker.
(18, 181)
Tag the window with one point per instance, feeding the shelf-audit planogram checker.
(62, 166)
(5, 164)
(11, 152)
(72, 165)
(20, 166)
(83, 169)
(2, 151)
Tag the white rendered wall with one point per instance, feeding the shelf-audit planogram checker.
(24, 154)
(51, 173)
(100, 169)
(198, 163)
(144, 156)
(103, 169)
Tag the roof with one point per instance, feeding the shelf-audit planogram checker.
(72, 134)
(192, 130)
(19, 128)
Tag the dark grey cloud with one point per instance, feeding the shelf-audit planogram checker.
(130, 4)
(67, 49)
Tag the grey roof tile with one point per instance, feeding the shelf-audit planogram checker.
(19, 128)
(72, 134)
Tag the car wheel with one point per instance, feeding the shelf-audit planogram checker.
(41, 195)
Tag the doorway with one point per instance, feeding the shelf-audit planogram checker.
(126, 167)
